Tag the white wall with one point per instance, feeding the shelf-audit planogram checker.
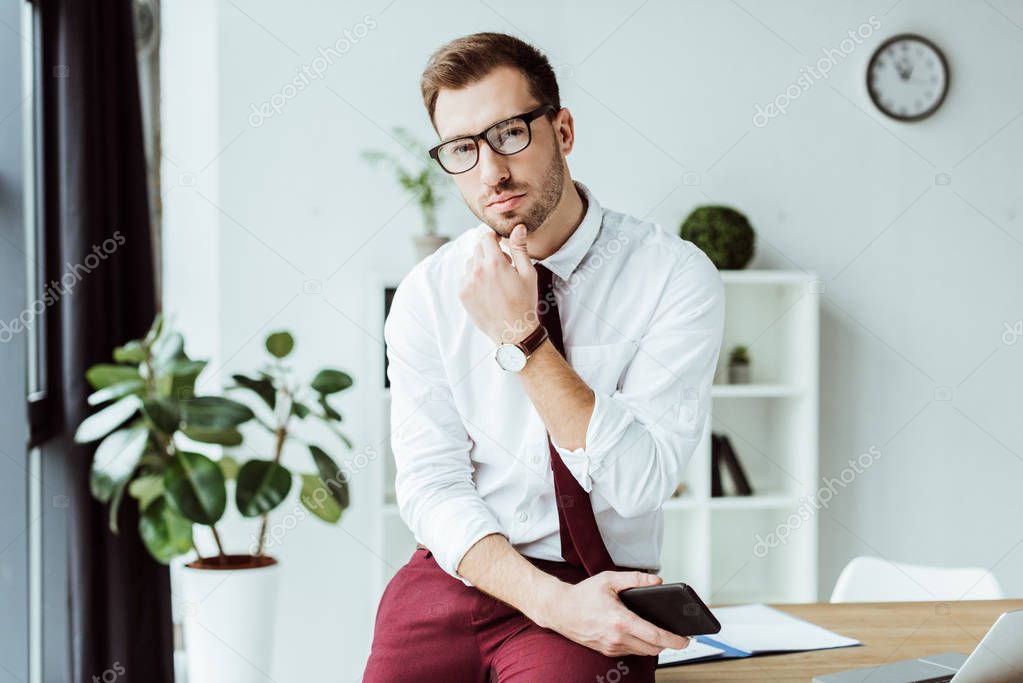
(920, 277)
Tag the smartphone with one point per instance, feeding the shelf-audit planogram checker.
(674, 607)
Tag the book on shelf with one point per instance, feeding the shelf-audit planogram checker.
(724, 456)
(716, 491)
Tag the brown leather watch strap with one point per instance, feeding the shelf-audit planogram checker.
(533, 341)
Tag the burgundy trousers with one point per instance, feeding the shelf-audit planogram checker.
(432, 627)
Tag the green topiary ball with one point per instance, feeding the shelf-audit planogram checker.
(722, 233)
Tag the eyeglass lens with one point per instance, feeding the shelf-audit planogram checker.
(506, 137)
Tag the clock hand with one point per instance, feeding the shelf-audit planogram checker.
(905, 68)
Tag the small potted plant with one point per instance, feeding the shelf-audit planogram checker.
(722, 233)
(157, 443)
(423, 180)
(738, 365)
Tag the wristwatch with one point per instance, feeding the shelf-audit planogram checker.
(513, 357)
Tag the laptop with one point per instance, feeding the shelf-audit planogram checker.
(997, 659)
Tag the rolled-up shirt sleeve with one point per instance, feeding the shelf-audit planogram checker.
(640, 438)
(434, 488)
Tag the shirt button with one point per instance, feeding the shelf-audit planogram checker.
(522, 516)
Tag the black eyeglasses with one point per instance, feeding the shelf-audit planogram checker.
(507, 137)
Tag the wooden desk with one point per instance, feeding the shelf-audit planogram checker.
(889, 631)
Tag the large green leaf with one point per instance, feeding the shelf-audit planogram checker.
(280, 344)
(229, 466)
(162, 414)
(154, 329)
(146, 489)
(263, 386)
(333, 478)
(195, 487)
(318, 500)
(132, 352)
(168, 349)
(115, 507)
(328, 381)
(262, 485)
(328, 410)
(221, 437)
(165, 533)
(154, 462)
(300, 410)
(177, 381)
(115, 460)
(107, 420)
(116, 390)
(214, 412)
(105, 374)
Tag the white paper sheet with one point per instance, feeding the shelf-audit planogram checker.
(696, 650)
(755, 629)
(759, 628)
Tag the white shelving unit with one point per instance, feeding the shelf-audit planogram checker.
(393, 542)
(722, 546)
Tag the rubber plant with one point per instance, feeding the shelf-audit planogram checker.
(152, 426)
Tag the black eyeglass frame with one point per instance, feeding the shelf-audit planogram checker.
(527, 118)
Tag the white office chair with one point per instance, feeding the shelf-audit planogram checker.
(871, 579)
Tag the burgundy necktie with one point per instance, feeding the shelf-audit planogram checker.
(581, 543)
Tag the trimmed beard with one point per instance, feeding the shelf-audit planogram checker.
(551, 188)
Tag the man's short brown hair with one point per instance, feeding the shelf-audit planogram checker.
(469, 59)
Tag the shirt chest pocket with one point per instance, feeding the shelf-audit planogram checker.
(602, 366)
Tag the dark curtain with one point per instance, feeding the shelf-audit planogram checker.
(95, 233)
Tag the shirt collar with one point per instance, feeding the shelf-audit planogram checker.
(567, 258)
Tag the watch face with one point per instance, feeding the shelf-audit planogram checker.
(908, 77)
(510, 357)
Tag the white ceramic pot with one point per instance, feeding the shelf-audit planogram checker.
(738, 373)
(228, 616)
(427, 244)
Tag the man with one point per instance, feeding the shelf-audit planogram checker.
(550, 373)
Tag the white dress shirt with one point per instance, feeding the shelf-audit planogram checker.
(642, 312)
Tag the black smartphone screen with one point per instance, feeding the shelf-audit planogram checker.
(674, 607)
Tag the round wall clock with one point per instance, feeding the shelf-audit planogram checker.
(907, 77)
